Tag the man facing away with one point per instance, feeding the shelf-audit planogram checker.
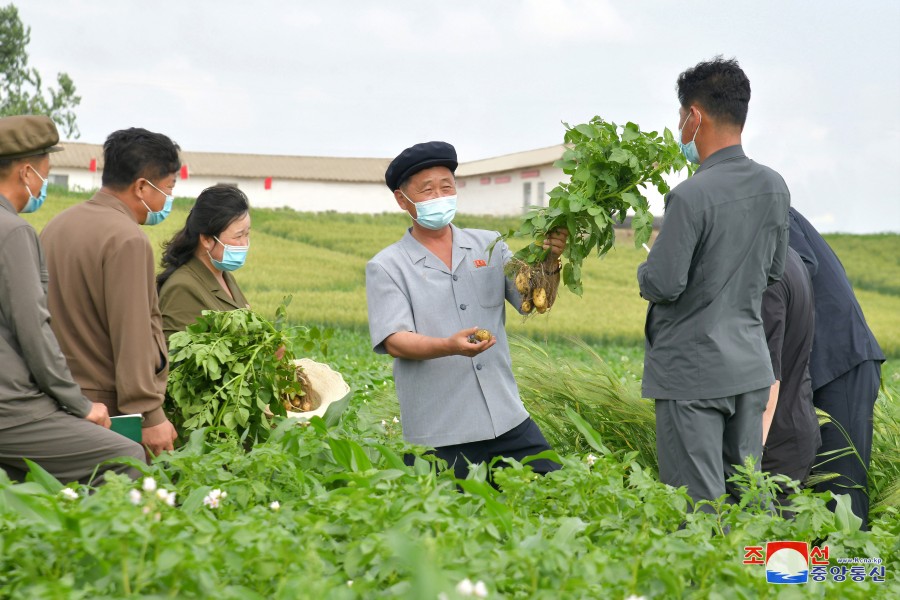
(43, 415)
(723, 240)
(790, 425)
(845, 367)
(102, 288)
(426, 294)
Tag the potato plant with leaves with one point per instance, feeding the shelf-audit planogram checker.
(609, 166)
(231, 369)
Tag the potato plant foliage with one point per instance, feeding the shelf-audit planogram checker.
(609, 166)
(331, 511)
(226, 372)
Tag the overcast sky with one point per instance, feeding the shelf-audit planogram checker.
(355, 78)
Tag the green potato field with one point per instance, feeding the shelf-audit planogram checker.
(330, 510)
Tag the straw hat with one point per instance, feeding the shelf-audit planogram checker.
(325, 383)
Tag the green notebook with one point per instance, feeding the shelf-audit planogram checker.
(128, 425)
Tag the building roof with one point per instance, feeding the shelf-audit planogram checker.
(78, 155)
(511, 162)
(254, 166)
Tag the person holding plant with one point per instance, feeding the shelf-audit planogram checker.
(723, 241)
(102, 291)
(44, 417)
(199, 260)
(428, 296)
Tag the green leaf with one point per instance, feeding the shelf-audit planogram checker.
(334, 411)
(631, 132)
(586, 130)
(590, 434)
(40, 476)
(845, 518)
(620, 155)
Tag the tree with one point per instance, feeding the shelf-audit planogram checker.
(20, 86)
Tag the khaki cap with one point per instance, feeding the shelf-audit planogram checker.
(27, 135)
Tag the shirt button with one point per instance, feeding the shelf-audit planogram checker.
(455, 277)
(478, 366)
(462, 307)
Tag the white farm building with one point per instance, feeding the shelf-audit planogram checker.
(494, 186)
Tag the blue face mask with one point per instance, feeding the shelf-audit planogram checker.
(690, 149)
(157, 217)
(35, 203)
(233, 257)
(434, 214)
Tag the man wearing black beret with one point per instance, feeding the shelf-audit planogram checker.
(44, 416)
(427, 294)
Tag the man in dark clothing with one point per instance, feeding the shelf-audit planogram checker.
(845, 365)
(723, 241)
(790, 427)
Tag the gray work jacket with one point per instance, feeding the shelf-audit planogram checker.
(723, 240)
(34, 378)
(453, 399)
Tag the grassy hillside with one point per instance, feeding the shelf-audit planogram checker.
(320, 259)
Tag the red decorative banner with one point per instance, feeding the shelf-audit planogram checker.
(268, 184)
(92, 167)
(184, 171)
(502, 179)
(485, 180)
(531, 173)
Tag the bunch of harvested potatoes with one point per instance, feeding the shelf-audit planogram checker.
(536, 283)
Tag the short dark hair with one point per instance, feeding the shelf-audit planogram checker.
(216, 208)
(719, 86)
(129, 154)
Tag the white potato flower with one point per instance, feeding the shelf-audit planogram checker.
(465, 587)
(214, 498)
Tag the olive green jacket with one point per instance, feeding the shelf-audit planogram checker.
(191, 289)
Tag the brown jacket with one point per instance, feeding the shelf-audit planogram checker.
(191, 289)
(105, 310)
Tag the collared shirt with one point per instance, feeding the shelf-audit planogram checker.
(34, 378)
(843, 338)
(723, 240)
(105, 308)
(454, 399)
(190, 290)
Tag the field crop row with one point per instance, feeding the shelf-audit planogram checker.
(319, 258)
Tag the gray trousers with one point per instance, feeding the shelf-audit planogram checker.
(698, 441)
(68, 447)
